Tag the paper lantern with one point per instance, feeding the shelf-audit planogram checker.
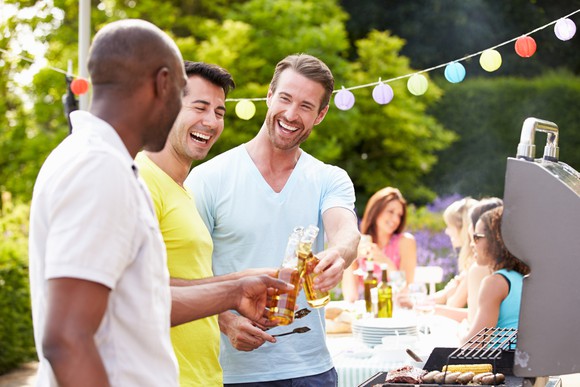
(417, 84)
(344, 99)
(79, 86)
(383, 94)
(245, 109)
(525, 46)
(565, 29)
(490, 60)
(454, 72)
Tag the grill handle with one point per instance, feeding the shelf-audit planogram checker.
(527, 148)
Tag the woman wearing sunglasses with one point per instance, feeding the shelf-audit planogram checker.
(500, 293)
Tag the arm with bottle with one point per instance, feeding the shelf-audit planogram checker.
(342, 236)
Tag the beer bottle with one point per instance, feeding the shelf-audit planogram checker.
(369, 282)
(282, 306)
(385, 293)
(308, 262)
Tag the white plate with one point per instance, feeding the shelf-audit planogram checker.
(386, 323)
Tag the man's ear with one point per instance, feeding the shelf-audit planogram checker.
(269, 97)
(321, 115)
(162, 82)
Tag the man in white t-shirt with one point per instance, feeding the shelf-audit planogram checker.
(101, 301)
(251, 197)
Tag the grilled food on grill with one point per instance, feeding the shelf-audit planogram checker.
(405, 374)
(475, 368)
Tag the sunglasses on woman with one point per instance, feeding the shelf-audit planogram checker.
(477, 236)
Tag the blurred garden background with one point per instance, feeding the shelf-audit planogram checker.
(449, 142)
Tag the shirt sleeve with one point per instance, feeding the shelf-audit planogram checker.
(340, 190)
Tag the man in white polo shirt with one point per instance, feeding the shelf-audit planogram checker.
(102, 305)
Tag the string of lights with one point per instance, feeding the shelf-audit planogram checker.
(417, 84)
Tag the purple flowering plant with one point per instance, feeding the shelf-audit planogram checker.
(433, 245)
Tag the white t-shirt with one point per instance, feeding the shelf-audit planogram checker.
(92, 219)
(250, 225)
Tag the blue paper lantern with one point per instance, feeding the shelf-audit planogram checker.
(383, 94)
(454, 72)
(344, 99)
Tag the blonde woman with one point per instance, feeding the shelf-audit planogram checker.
(456, 217)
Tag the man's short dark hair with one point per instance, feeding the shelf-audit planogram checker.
(213, 73)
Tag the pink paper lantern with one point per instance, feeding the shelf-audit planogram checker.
(344, 99)
(565, 29)
(383, 94)
(525, 46)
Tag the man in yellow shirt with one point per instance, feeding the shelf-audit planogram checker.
(188, 242)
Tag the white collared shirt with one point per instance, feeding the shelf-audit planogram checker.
(92, 219)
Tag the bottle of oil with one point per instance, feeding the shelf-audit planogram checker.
(369, 282)
(385, 293)
(282, 306)
(308, 262)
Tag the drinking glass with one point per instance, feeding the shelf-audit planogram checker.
(398, 281)
(423, 305)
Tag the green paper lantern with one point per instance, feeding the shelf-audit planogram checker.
(417, 84)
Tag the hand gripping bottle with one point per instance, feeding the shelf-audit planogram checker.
(308, 262)
(282, 305)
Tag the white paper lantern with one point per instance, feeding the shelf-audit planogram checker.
(383, 94)
(564, 29)
(344, 99)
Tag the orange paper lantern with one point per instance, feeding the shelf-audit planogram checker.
(79, 86)
(525, 46)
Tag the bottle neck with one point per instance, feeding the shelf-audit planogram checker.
(385, 277)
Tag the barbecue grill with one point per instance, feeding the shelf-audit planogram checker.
(541, 226)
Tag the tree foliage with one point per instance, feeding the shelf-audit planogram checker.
(488, 123)
(378, 146)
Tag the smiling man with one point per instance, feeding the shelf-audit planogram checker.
(252, 197)
(188, 243)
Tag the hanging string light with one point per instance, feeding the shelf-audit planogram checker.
(490, 60)
(525, 46)
(417, 84)
(344, 99)
(454, 72)
(245, 109)
(565, 29)
(383, 94)
(79, 86)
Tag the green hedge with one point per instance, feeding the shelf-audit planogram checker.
(16, 335)
(487, 115)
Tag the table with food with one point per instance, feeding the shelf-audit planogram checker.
(361, 346)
